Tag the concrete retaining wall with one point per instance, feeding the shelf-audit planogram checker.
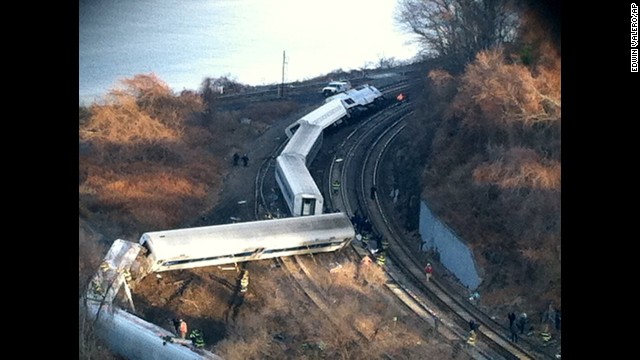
(455, 255)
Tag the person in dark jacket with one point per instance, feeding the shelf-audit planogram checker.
(236, 158)
(522, 322)
(512, 318)
(514, 332)
(245, 160)
(473, 325)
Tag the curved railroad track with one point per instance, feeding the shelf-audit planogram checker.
(357, 170)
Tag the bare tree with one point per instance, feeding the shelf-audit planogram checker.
(455, 30)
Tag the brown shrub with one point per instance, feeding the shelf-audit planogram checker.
(124, 123)
(494, 173)
(520, 168)
(507, 92)
(144, 165)
(247, 339)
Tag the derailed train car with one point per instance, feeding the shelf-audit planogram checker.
(125, 334)
(245, 241)
(136, 339)
(359, 99)
(338, 108)
(297, 186)
(324, 116)
(306, 142)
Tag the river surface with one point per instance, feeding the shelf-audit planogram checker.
(185, 41)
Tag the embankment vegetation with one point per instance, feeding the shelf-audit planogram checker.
(490, 147)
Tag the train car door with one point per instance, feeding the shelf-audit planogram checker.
(308, 206)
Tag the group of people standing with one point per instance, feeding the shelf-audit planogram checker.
(361, 224)
(366, 235)
(518, 325)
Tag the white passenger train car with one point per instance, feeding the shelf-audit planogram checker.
(326, 115)
(245, 241)
(306, 142)
(136, 339)
(362, 97)
(298, 188)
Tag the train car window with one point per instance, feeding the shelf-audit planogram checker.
(248, 253)
(304, 247)
(187, 261)
(293, 129)
(308, 206)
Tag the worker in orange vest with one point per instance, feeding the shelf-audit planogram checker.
(181, 328)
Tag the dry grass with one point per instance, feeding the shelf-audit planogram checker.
(276, 321)
(153, 199)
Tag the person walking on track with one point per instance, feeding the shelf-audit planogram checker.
(428, 271)
(335, 186)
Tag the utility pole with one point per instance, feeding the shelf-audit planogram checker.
(282, 84)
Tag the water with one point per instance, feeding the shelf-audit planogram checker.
(183, 42)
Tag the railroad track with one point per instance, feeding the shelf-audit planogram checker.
(354, 196)
(382, 128)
